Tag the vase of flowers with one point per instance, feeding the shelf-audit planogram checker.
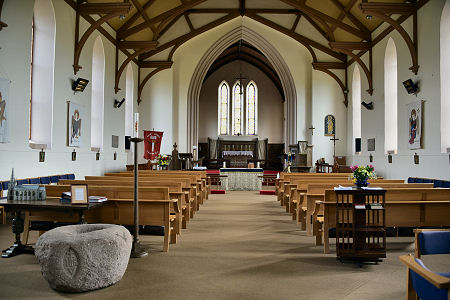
(163, 160)
(361, 175)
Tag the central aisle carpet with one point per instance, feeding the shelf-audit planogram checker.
(240, 245)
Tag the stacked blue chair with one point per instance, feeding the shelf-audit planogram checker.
(54, 178)
(23, 181)
(64, 176)
(412, 179)
(446, 184)
(45, 180)
(438, 183)
(36, 180)
(71, 176)
(425, 283)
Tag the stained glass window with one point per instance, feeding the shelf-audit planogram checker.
(224, 100)
(252, 108)
(237, 113)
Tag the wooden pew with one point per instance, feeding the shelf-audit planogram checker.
(175, 191)
(195, 181)
(285, 177)
(154, 208)
(316, 192)
(404, 207)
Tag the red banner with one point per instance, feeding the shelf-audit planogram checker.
(152, 143)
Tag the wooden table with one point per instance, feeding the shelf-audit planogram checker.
(51, 204)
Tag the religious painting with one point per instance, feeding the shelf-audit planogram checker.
(414, 111)
(330, 125)
(75, 119)
(4, 107)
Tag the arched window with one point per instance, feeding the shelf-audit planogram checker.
(224, 107)
(237, 110)
(129, 93)
(356, 104)
(252, 108)
(98, 82)
(445, 78)
(42, 74)
(390, 98)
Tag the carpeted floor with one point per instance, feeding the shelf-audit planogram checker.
(240, 245)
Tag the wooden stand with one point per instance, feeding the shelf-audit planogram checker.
(360, 225)
(136, 250)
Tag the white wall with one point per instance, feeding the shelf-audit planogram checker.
(15, 44)
(327, 98)
(270, 106)
(433, 163)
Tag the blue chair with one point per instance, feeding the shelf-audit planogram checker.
(23, 181)
(45, 180)
(426, 180)
(419, 180)
(54, 178)
(35, 180)
(64, 176)
(411, 179)
(438, 183)
(446, 184)
(422, 282)
(5, 185)
(71, 176)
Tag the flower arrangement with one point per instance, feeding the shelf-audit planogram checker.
(361, 174)
(163, 160)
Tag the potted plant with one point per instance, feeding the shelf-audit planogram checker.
(361, 175)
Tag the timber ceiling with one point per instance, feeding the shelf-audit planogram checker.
(335, 32)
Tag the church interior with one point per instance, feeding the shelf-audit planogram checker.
(240, 149)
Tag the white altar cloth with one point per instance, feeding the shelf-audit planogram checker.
(241, 179)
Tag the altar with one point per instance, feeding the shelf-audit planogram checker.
(241, 179)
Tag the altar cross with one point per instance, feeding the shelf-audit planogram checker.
(312, 129)
(334, 139)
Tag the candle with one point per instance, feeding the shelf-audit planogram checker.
(224, 164)
(136, 125)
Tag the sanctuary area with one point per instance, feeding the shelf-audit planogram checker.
(240, 149)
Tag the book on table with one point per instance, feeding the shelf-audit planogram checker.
(66, 197)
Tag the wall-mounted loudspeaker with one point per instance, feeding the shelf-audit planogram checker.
(127, 142)
(358, 145)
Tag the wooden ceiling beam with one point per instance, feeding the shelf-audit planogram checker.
(341, 16)
(144, 15)
(308, 10)
(297, 19)
(388, 8)
(164, 18)
(2, 24)
(329, 65)
(136, 16)
(308, 43)
(383, 11)
(165, 29)
(137, 44)
(345, 12)
(184, 38)
(188, 21)
(351, 45)
(155, 64)
(327, 35)
(104, 8)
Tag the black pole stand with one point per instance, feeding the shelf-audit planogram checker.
(136, 251)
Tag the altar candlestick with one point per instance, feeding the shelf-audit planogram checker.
(136, 125)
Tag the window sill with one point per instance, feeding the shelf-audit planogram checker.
(33, 145)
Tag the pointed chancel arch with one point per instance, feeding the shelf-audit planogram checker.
(390, 98)
(224, 108)
(356, 105)
(274, 57)
(445, 78)
(129, 100)
(251, 103)
(98, 94)
(42, 74)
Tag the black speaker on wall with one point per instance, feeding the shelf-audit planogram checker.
(127, 142)
(358, 145)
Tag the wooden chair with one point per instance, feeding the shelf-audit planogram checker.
(421, 281)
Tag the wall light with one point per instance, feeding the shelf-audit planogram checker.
(80, 84)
